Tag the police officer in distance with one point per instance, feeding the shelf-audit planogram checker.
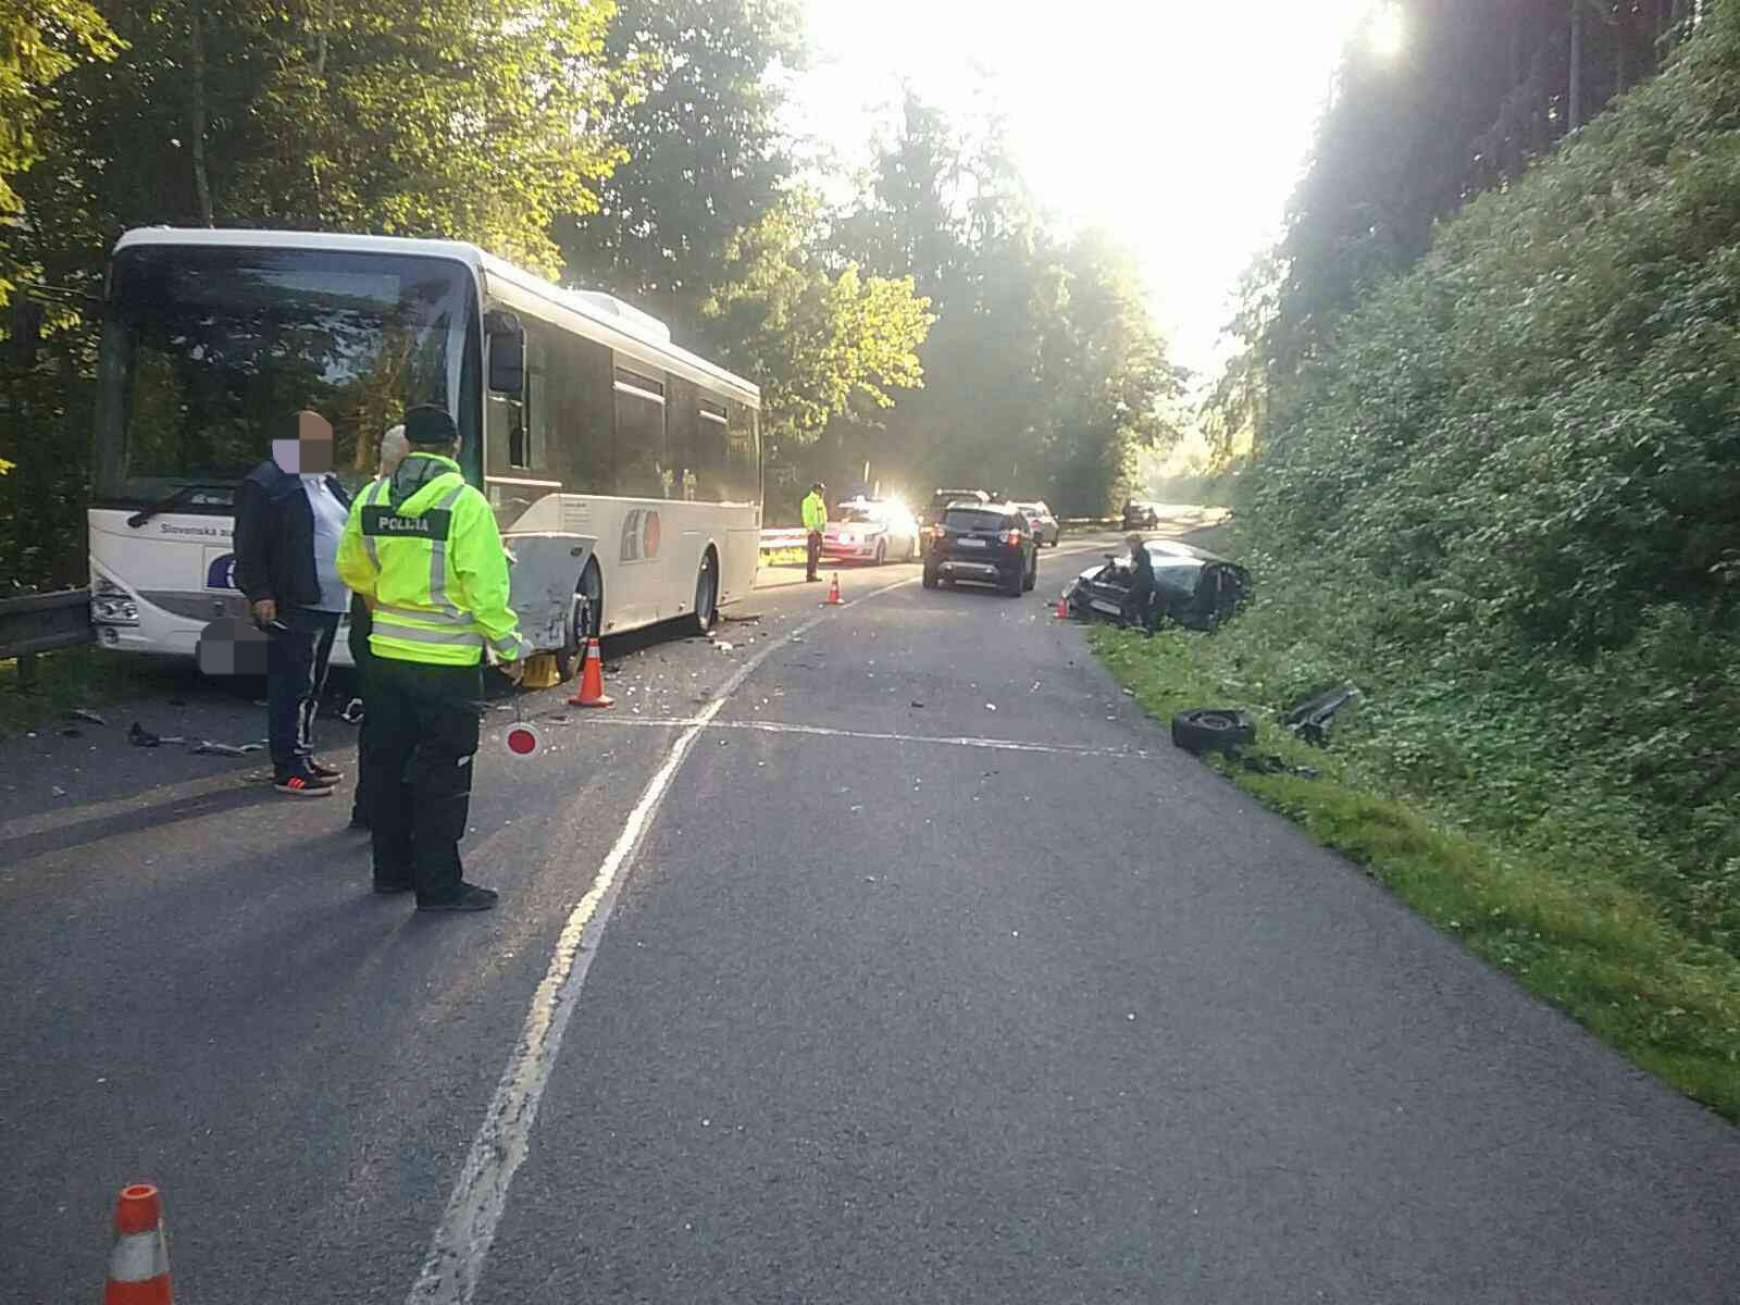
(422, 548)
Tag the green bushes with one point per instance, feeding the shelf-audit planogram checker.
(1506, 502)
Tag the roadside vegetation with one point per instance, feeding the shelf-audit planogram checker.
(1497, 487)
(1546, 902)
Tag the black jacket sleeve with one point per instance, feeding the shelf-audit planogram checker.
(253, 530)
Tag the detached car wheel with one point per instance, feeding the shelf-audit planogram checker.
(1212, 729)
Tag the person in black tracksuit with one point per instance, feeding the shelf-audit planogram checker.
(284, 524)
(1141, 604)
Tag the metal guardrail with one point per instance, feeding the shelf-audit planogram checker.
(39, 623)
(789, 537)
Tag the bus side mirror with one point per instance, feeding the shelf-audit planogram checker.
(507, 353)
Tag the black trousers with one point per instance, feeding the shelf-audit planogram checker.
(361, 623)
(296, 659)
(815, 547)
(1142, 608)
(419, 735)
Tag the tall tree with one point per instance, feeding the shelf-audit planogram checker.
(1481, 89)
(415, 117)
(707, 158)
(40, 42)
(1045, 372)
(822, 338)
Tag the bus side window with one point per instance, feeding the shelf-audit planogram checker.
(712, 450)
(682, 439)
(643, 467)
(575, 409)
(742, 455)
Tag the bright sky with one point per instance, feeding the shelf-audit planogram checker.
(1177, 125)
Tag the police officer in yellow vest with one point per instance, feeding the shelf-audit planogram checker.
(422, 548)
(815, 511)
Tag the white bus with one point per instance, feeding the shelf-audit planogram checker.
(629, 466)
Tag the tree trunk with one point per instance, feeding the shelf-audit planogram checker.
(201, 183)
(320, 41)
(1574, 118)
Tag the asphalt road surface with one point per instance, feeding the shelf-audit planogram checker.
(886, 955)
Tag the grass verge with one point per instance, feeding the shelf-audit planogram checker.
(1597, 949)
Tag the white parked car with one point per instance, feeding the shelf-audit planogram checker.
(871, 530)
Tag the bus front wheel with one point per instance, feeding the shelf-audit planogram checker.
(706, 610)
(585, 621)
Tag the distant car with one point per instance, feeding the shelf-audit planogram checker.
(940, 500)
(1197, 589)
(1141, 516)
(984, 543)
(871, 530)
(1045, 526)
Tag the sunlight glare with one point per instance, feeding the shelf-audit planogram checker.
(1387, 31)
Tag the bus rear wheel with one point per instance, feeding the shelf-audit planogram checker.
(585, 621)
(706, 595)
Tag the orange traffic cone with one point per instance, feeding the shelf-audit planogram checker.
(139, 1264)
(592, 681)
(833, 599)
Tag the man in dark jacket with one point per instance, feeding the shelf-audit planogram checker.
(290, 512)
(1141, 605)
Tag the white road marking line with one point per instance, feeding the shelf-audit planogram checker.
(822, 731)
(454, 1265)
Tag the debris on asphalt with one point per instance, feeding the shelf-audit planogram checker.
(71, 732)
(990, 706)
(208, 748)
(140, 737)
(89, 717)
(917, 703)
(58, 791)
(723, 645)
(1311, 719)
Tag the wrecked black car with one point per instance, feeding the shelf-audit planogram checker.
(1196, 589)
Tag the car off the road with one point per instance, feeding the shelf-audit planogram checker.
(871, 530)
(1046, 529)
(982, 543)
(1141, 516)
(1197, 589)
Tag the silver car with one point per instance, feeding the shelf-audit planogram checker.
(1046, 529)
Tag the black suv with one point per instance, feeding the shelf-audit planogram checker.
(987, 543)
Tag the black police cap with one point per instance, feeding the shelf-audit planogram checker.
(427, 424)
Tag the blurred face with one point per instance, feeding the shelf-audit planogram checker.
(310, 453)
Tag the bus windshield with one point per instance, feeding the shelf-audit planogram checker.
(209, 353)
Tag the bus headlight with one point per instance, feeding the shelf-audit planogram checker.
(111, 604)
